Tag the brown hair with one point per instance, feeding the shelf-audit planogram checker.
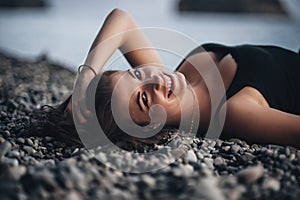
(109, 126)
(55, 122)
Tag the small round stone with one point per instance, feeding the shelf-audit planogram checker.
(29, 142)
(148, 180)
(218, 161)
(272, 184)
(235, 149)
(28, 149)
(191, 156)
(250, 174)
(21, 140)
(209, 163)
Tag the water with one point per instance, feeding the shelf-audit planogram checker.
(66, 29)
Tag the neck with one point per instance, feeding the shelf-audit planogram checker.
(189, 113)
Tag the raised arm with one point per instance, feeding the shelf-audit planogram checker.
(119, 31)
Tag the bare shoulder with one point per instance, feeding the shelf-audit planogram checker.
(250, 94)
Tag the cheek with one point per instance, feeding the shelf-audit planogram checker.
(138, 117)
(172, 109)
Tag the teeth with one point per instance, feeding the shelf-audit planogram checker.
(169, 83)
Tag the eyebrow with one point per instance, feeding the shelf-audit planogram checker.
(131, 74)
(138, 101)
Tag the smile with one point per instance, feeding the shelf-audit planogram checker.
(170, 83)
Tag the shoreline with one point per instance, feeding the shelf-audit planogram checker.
(42, 167)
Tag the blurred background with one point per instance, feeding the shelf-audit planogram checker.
(64, 29)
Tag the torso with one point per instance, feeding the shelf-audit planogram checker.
(227, 67)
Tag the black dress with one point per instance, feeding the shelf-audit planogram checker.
(273, 71)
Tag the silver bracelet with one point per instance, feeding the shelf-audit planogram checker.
(89, 67)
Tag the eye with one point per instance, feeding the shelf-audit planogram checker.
(145, 99)
(137, 74)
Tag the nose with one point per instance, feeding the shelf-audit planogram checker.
(157, 81)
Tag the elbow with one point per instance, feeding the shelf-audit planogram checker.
(119, 13)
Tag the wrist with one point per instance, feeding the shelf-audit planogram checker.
(85, 67)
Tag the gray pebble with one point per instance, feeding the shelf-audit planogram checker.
(209, 189)
(200, 155)
(235, 149)
(10, 161)
(16, 172)
(6, 133)
(28, 149)
(226, 148)
(271, 183)
(292, 156)
(73, 195)
(287, 151)
(250, 174)
(183, 170)
(102, 157)
(2, 140)
(247, 157)
(282, 156)
(191, 156)
(235, 140)
(209, 163)
(218, 161)
(148, 180)
(13, 154)
(269, 152)
(21, 140)
(4, 148)
(29, 142)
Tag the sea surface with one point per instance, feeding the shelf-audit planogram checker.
(65, 30)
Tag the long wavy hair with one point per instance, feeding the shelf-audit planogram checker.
(57, 123)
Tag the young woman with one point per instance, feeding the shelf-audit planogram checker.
(261, 82)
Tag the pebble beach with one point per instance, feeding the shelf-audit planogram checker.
(45, 168)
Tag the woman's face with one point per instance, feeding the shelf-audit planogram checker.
(140, 88)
